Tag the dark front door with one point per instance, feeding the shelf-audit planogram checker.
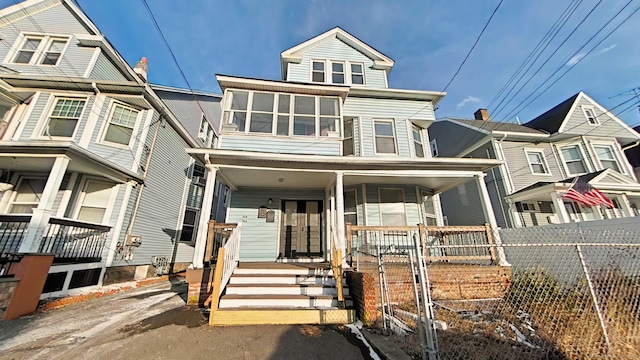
(301, 231)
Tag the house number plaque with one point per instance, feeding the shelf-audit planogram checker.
(271, 216)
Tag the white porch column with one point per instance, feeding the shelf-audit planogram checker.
(558, 205)
(205, 215)
(41, 214)
(625, 205)
(490, 218)
(340, 213)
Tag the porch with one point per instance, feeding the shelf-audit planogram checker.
(542, 203)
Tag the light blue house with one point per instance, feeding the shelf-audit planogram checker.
(92, 161)
(327, 144)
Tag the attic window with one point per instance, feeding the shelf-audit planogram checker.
(317, 73)
(357, 74)
(337, 72)
(592, 119)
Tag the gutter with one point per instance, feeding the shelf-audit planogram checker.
(631, 146)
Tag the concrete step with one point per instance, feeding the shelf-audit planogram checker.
(237, 278)
(280, 301)
(283, 271)
(283, 289)
(258, 316)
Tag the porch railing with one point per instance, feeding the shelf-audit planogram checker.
(227, 261)
(398, 240)
(217, 236)
(12, 230)
(74, 241)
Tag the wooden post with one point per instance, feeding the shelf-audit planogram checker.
(337, 274)
(217, 281)
(422, 229)
(349, 244)
(211, 237)
(492, 249)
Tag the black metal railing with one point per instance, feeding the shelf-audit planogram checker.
(74, 241)
(12, 231)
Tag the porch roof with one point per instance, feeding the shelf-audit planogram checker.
(251, 169)
(607, 180)
(38, 156)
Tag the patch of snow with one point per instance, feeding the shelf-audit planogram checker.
(354, 329)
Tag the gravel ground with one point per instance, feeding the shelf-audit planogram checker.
(152, 322)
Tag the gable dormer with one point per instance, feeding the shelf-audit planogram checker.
(338, 58)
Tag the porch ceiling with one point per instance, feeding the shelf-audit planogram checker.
(320, 179)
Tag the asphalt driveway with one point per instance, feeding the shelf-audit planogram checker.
(152, 322)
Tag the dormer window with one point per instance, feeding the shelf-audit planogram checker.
(337, 72)
(317, 73)
(357, 74)
(39, 50)
(592, 119)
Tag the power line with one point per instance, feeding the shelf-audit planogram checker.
(472, 47)
(546, 61)
(518, 107)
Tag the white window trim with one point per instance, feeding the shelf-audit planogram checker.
(353, 120)
(586, 108)
(545, 164)
(334, 136)
(43, 122)
(348, 70)
(14, 191)
(344, 72)
(413, 141)
(328, 72)
(110, 205)
(587, 166)
(433, 144)
(594, 144)
(311, 71)
(404, 203)
(395, 137)
(107, 121)
(355, 192)
(39, 52)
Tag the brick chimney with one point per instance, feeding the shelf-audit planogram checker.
(482, 114)
(142, 68)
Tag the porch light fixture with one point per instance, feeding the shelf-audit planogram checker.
(280, 180)
(270, 201)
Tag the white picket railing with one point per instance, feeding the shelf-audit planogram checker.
(231, 257)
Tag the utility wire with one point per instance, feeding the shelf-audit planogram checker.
(472, 47)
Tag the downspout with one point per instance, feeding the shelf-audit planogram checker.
(146, 170)
(631, 146)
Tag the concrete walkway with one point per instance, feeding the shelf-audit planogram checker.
(152, 322)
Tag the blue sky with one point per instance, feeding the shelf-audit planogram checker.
(427, 40)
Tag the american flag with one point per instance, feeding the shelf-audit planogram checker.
(582, 192)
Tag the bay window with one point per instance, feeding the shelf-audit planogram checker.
(392, 212)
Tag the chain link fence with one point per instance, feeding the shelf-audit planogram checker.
(567, 294)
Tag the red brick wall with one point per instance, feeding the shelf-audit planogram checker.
(362, 289)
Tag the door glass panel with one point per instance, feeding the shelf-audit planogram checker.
(314, 215)
(291, 213)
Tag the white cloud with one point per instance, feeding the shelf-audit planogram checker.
(608, 48)
(574, 60)
(468, 100)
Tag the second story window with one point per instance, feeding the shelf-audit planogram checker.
(40, 50)
(337, 72)
(607, 157)
(417, 141)
(262, 113)
(121, 124)
(573, 160)
(317, 71)
(238, 115)
(64, 117)
(357, 74)
(347, 143)
(537, 164)
(385, 137)
(434, 148)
